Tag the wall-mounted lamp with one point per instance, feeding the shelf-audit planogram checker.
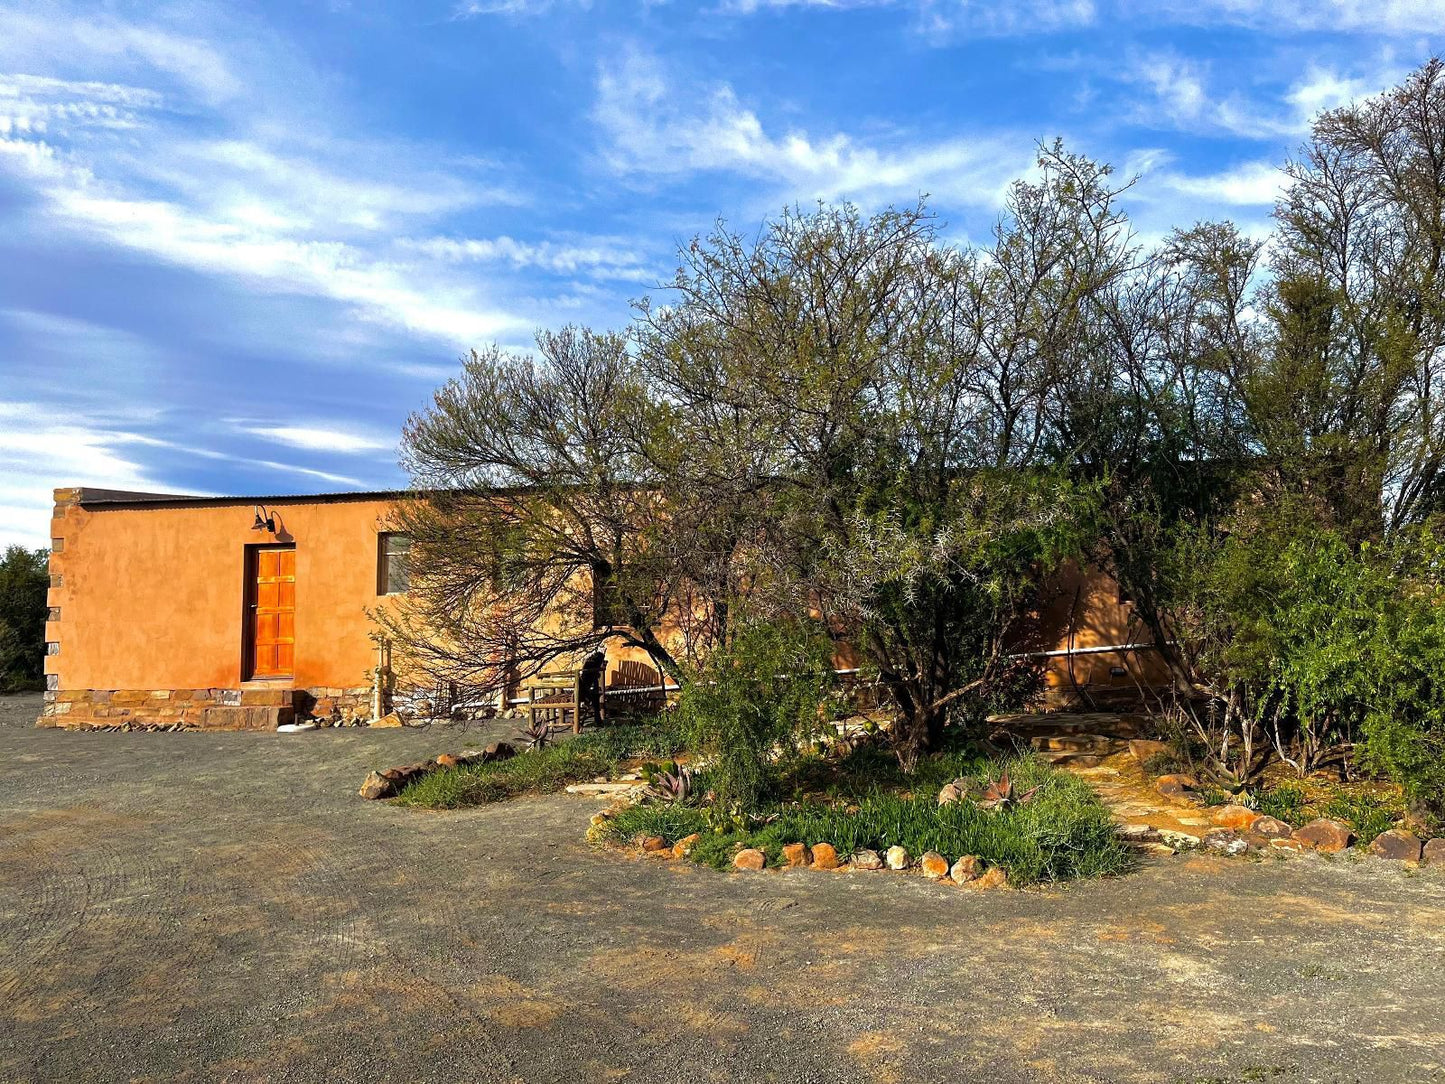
(265, 520)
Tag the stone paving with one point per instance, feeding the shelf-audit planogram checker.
(223, 907)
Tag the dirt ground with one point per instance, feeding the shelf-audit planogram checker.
(222, 907)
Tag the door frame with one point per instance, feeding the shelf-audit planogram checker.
(248, 614)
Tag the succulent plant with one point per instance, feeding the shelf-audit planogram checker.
(671, 784)
(536, 734)
(999, 794)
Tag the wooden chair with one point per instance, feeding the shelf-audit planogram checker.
(554, 696)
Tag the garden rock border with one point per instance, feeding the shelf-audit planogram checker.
(389, 782)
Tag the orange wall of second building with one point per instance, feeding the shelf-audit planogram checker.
(154, 597)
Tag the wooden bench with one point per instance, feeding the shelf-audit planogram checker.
(635, 687)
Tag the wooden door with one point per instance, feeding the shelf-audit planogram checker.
(271, 647)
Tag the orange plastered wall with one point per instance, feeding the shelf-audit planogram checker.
(154, 597)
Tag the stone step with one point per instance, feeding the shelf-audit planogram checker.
(1071, 760)
(1078, 743)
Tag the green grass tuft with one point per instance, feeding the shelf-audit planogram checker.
(572, 760)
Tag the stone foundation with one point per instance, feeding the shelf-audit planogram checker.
(203, 709)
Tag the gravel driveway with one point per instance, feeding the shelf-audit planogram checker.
(222, 907)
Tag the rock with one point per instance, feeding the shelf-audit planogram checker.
(824, 856)
(934, 865)
(1144, 750)
(600, 818)
(750, 859)
(377, 786)
(447, 760)
(1178, 840)
(499, 750)
(866, 859)
(654, 843)
(1434, 850)
(1224, 840)
(796, 855)
(1159, 850)
(1186, 782)
(389, 720)
(683, 847)
(965, 869)
(1271, 828)
(1137, 833)
(1178, 789)
(993, 877)
(949, 794)
(1324, 835)
(1398, 845)
(1286, 845)
(897, 857)
(1238, 817)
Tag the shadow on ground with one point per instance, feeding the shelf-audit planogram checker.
(222, 907)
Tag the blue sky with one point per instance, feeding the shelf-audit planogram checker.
(240, 241)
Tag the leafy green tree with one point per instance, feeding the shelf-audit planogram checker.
(24, 581)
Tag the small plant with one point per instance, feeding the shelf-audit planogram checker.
(536, 734)
(672, 784)
(1366, 814)
(1286, 803)
(999, 794)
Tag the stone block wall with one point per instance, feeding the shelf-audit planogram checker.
(203, 709)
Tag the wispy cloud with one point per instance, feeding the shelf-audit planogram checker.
(321, 437)
(653, 126)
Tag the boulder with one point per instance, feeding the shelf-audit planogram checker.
(1238, 817)
(1397, 844)
(448, 760)
(949, 794)
(1225, 840)
(1324, 835)
(1271, 828)
(750, 859)
(1184, 782)
(1434, 851)
(824, 856)
(388, 720)
(796, 855)
(866, 859)
(377, 786)
(683, 846)
(897, 857)
(934, 865)
(1177, 789)
(993, 877)
(1143, 750)
(498, 750)
(654, 843)
(965, 869)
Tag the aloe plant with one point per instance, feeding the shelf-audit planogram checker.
(536, 734)
(999, 794)
(673, 784)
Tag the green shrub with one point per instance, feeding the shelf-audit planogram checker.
(24, 581)
(1367, 814)
(1064, 832)
(759, 697)
(1286, 803)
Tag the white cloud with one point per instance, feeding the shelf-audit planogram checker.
(1251, 184)
(596, 255)
(1295, 16)
(321, 437)
(655, 127)
(37, 455)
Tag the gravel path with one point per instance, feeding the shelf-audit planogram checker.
(222, 907)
